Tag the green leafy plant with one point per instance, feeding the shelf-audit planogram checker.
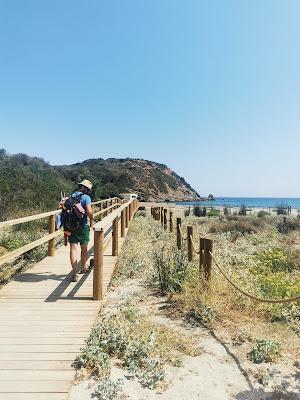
(264, 350)
(109, 390)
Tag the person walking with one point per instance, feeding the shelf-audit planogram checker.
(81, 235)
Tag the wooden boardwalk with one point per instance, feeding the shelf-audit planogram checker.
(45, 319)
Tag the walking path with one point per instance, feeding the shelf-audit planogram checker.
(45, 319)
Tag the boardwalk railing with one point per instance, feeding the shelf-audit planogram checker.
(106, 231)
(106, 206)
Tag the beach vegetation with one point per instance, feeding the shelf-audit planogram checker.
(243, 210)
(281, 209)
(142, 346)
(199, 211)
(262, 214)
(265, 350)
(213, 212)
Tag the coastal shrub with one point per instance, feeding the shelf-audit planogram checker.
(226, 211)
(275, 260)
(187, 212)
(242, 226)
(172, 268)
(199, 211)
(142, 346)
(287, 225)
(262, 214)
(281, 209)
(213, 213)
(243, 210)
(278, 286)
(264, 350)
(109, 390)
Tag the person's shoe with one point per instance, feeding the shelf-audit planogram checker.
(83, 270)
(74, 278)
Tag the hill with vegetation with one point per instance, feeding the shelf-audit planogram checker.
(30, 184)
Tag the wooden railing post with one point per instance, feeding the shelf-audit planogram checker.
(162, 216)
(127, 217)
(202, 261)
(123, 223)
(100, 209)
(92, 219)
(191, 253)
(171, 221)
(178, 225)
(98, 265)
(208, 258)
(115, 237)
(165, 218)
(51, 243)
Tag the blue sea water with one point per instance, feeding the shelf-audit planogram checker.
(259, 202)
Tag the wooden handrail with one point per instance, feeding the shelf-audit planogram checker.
(107, 222)
(28, 219)
(94, 203)
(22, 250)
(96, 214)
(123, 213)
(53, 233)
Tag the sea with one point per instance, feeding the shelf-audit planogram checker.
(255, 202)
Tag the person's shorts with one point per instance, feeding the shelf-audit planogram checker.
(82, 236)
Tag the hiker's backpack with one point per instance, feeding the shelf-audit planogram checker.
(72, 213)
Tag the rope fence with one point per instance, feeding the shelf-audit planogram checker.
(205, 252)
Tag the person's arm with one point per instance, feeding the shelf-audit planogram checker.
(89, 211)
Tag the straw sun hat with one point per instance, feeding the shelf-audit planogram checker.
(88, 184)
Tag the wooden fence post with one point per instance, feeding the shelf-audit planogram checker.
(191, 253)
(162, 215)
(98, 265)
(178, 225)
(208, 258)
(115, 237)
(51, 243)
(202, 258)
(92, 219)
(171, 221)
(126, 217)
(123, 223)
(130, 211)
(165, 218)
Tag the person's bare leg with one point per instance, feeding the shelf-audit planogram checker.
(73, 257)
(84, 257)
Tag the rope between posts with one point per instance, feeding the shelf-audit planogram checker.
(193, 244)
(274, 301)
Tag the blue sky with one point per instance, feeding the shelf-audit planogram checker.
(211, 88)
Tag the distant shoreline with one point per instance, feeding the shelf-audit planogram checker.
(250, 202)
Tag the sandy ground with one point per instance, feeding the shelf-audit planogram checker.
(217, 374)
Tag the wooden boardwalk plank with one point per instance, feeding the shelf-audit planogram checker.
(45, 319)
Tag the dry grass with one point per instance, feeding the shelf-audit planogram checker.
(240, 254)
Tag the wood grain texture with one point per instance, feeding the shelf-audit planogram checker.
(45, 319)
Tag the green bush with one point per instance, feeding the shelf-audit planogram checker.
(275, 260)
(281, 209)
(264, 350)
(243, 210)
(213, 213)
(262, 214)
(172, 268)
(287, 225)
(199, 211)
(241, 225)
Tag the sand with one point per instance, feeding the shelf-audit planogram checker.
(218, 373)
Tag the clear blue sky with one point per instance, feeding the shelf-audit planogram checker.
(211, 88)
